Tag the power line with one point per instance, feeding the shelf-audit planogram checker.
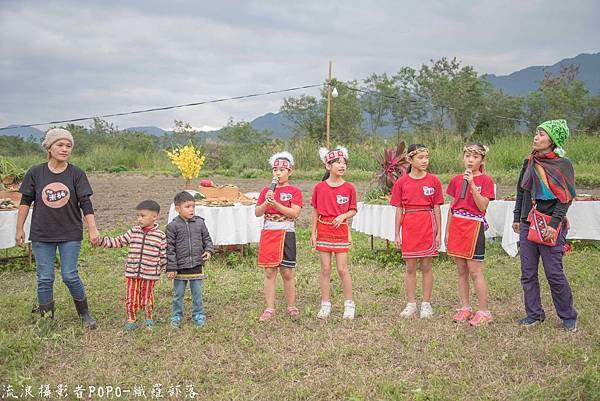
(225, 99)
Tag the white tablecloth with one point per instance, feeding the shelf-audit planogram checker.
(8, 228)
(584, 217)
(230, 225)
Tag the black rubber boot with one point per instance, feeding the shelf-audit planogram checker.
(84, 313)
(43, 309)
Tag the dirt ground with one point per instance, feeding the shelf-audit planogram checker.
(116, 195)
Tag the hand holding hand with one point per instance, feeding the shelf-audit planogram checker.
(94, 236)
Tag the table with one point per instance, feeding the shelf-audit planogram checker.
(8, 229)
(229, 225)
(584, 217)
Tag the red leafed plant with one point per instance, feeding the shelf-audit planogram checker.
(392, 164)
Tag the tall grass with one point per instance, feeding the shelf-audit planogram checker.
(503, 161)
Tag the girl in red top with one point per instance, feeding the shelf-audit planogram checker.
(472, 192)
(334, 202)
(417, 197)
(281, 205)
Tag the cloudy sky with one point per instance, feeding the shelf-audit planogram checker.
(67, 59)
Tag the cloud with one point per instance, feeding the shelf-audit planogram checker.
(70, 59)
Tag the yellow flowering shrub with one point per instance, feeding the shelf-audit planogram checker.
(188, 159)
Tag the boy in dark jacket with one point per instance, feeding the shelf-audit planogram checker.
(188, 247)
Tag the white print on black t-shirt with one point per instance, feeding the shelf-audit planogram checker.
(342, 199)
(427, 191)
(285, 197)
(55, 195)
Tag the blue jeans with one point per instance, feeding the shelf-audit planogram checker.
(197, 304)
(45, 255)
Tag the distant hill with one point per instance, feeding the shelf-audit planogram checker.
(276, 122)
(149, 130)
(156, 131)
(527, 80)
(25, 133)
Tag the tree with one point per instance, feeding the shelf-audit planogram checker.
(378, 102)
(346, 114)
(410, 106)
(560, 96)
(453, 91)
(500, 114)
(183, 132)
(307, 115)
(591, 117)
(242, 133)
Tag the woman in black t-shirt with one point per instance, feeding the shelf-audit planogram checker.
(61, 192)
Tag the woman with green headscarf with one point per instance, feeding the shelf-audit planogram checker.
(546, 185)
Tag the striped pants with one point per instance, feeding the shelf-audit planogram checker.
(140, 295)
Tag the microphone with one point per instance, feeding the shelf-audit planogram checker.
(463, 189)
(465, 184)
(274, 182)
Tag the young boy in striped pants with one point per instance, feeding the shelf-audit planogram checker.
(146, 257)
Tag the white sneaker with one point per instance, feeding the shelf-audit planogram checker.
(426, 310)
(411, 309)
(325, 310)
(349, 309)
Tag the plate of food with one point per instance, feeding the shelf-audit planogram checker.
(7, 204)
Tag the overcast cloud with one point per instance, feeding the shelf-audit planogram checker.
(70, 58)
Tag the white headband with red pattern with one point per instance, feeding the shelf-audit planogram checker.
(329, 155)
(282, 159)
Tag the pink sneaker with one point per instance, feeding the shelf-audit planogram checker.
(267, 315)
(481, 318)
(462, 314)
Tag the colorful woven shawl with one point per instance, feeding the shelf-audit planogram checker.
(548, 176)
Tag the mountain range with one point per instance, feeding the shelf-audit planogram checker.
(521, 82)
(518, 83)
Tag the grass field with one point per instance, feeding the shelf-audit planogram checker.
(503, 162)
(378, 356)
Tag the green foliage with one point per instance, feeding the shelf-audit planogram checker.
(458, 90)
(503, 162)
(307, 114)
(561, 96)
(9, 172)
(376, 196)
(378, 356)
(378, 103)
(14, 146)
(410, 105)
(242, 133)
